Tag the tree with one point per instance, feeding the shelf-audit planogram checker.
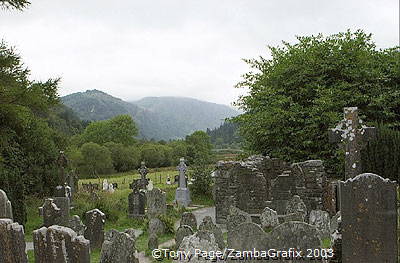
(120, 129)
(124, 158)
(152, 155)
(298, 94)
(199, 147)
(14, 4)
(97, 158)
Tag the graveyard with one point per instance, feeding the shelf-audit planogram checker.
(182, 148)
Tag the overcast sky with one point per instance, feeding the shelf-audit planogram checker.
(132, 49)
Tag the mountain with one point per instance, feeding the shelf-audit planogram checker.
(159, 118)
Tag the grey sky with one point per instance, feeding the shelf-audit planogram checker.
(132, 49)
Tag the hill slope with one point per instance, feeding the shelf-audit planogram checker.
(160, 118)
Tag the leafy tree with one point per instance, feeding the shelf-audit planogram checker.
(124, 158)
(179, 149)
(120, 129)
(201, 175)
(14, 4)
(298, 94)
(151, 154)
(97, 158)
(198, 147)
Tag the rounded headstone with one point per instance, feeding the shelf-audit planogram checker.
(156, 226)
(182, 232)
(269, 218)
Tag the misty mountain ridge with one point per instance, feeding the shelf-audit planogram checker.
(159, 118)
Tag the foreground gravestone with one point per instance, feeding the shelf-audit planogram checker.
(12, 242)
(369, 219)
(95, 221)
(353, 134)
(136, 204)
(203, 241)
(5, 206)
(236, 217)
(297, 208)
(321, 220)
(247, 236)
(118, 247)
(182, 194)
(208, 225)
(189, 219)
(182, 232)
(269, 218)
(156, 202)
(156, 226)
(58, 244)
(50, 212)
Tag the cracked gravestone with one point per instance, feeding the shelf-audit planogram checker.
(95, 221)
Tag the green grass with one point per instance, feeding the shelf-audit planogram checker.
(326, 243)
(95, 256)
(31, 256)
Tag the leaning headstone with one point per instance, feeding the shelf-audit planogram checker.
(156, 202)
(5, 206)
(208, 225)
(156, 226)
(236, 217)
(136, 204)
(297, 206)
(182, 194)
(153, 242)
(321, 220)
(369, 219)
(182, 232)
(58, 244)
(203, 241)
(118, 247)
(95, 221)
(269, 218)
(75, 223)
(189, 219)
(12, 242)
(50, 212)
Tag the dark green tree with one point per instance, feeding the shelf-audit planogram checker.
(14, 4)
(97, 159)
(299, 93)
(199, 147)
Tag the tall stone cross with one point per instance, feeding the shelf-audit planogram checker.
(143, 170)
(353, 135)
(62, 162)
(182, 171)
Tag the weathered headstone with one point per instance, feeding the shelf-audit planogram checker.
(369, 219)
(95, 221)
(153, 242)
(136, 204)
(5, 206)
(321, 220)
(203, 241)
(182, 232)
(118, 247)
(75, 223)
(58, 244)
(182, 194)
(12, 242)
(247, 236)
(353, 134)
(269, 218)
(105, 185)
(236, 217)
(156, 202)
(156, 226)
(189, 219)
(50, 212)
(296, 206)
(62, 162)
(208, 225)
(143, 171)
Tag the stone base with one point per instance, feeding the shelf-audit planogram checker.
(182, 197)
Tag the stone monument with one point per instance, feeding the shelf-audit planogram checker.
(182, 194)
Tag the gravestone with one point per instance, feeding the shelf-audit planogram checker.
(156, 203)
(64, 204)
(143, 171)
(203, 241)
(95, 221)
(156, 226)
(182, 194)
(189, 219)
(269, 218)
(75, 223)
(297, 207)
(369, 219)
(136, 204)
(208, 225)
(50, 212)
(153, 242)
(236, 217)
(321, 220)
(105, 185)
(182, 232)
(62, 163)
(247, 236)
(118, 247)
(5, 206)
(354, 135)
(12, 242)
(58, 244)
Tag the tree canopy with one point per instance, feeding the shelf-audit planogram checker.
(299, 93)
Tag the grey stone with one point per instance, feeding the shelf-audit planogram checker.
(247, 236)
(58, 244)
(95, 221)
(156, 202)
(269, 218)
(153, 242)
(50, 212)
(136, 204)
(321, 220)
(369, 219)
(189, 219)
(335, 222)
(156, 226)
(75, 223)
(182, 194)
(203, 240)
(5, 206)
(118, 247)
(182, 232)
(63, 203)
(134, 233)
(297, 206)
(236, 217)
(12, 242)
(208, 225)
